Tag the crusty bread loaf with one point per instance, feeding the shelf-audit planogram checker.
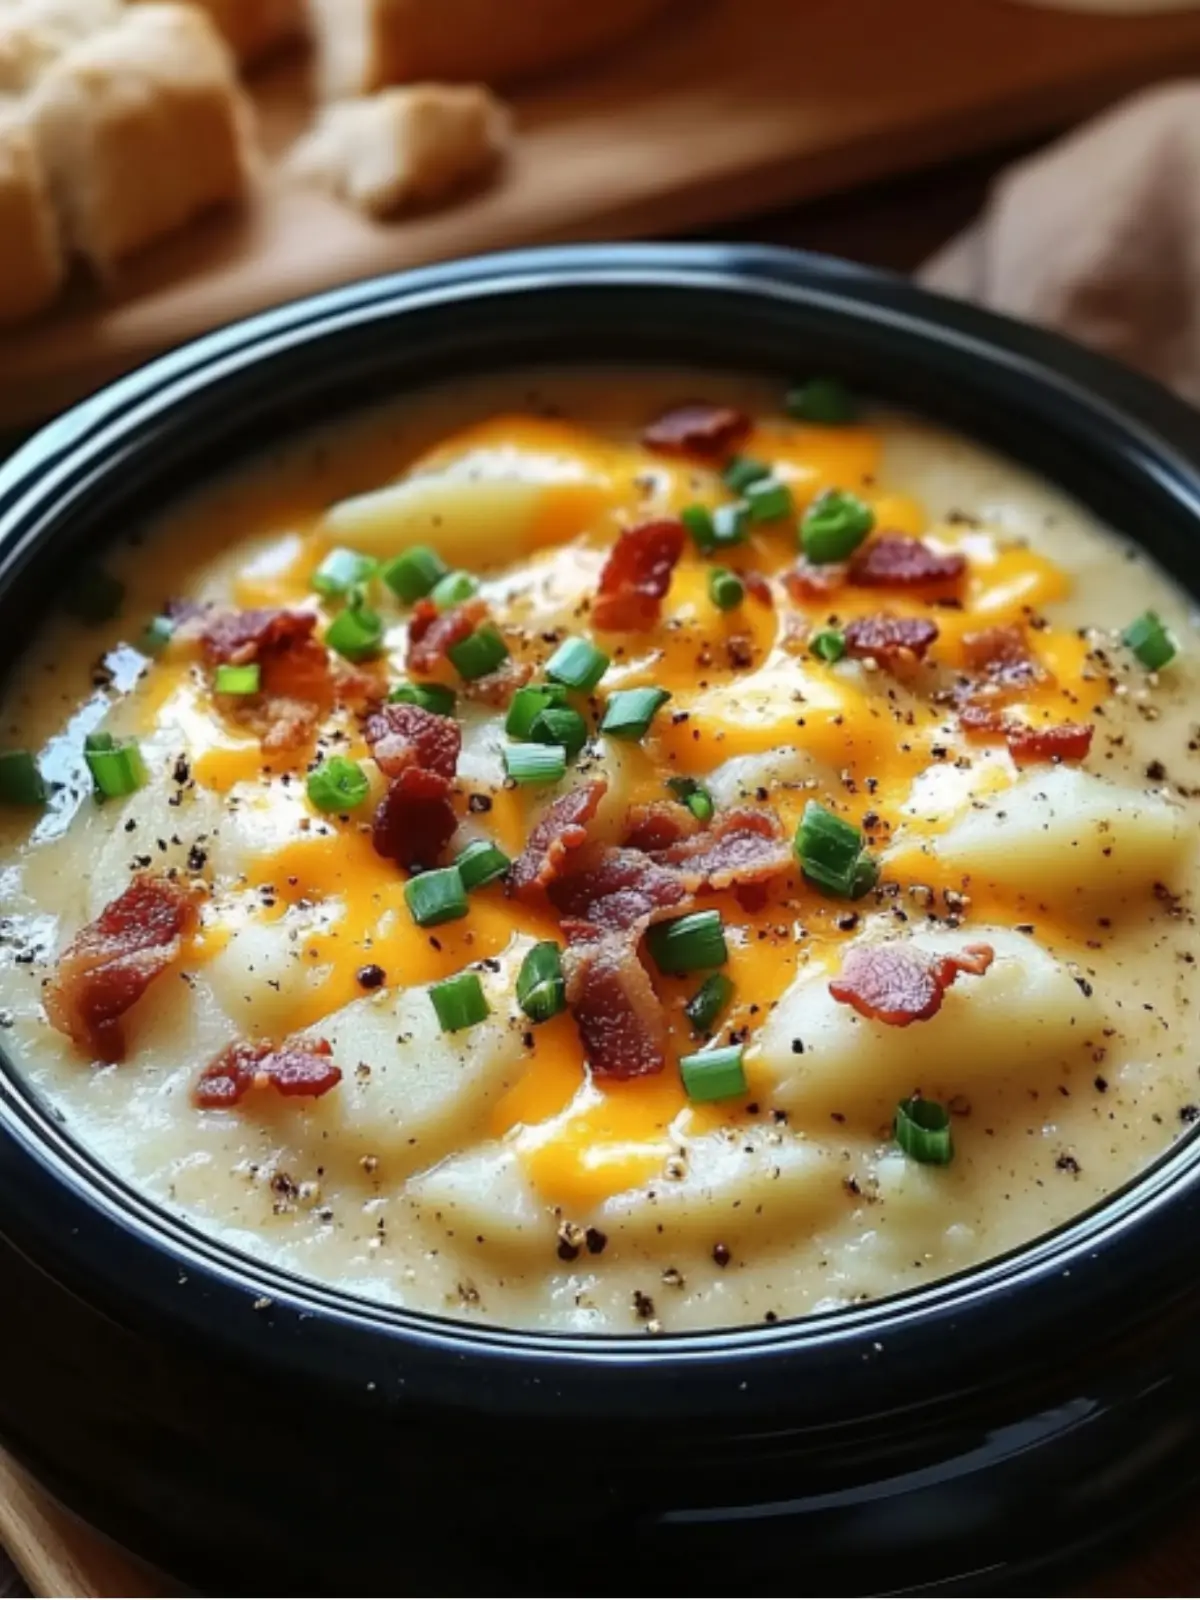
(142, 127)
(34, 33)
(253, 28)
(403, 145)
(31, 257)
(367, 44)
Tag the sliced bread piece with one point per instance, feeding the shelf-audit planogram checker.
(32, 266)
(254, 28)
(34, 33)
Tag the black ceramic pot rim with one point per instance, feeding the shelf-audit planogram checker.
(1093, 1278)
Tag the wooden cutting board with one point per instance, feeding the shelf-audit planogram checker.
(724, 107)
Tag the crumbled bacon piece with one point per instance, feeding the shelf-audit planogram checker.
(497, 688)
(697, 429)
(562, 829)
(1003, 656)
(757, 586)
(239, 637)
(740, 847)
(806, 582)
(982, 722)
(900, 983)
(1064, 741)
(432, 632)
(894, 561)
(402, 736)
(112, 961)
(659, 825)
(415, 820)
(298, 1068)
(618, 890)
(296, 686)
(616, 1010)
(895, 642)
(637, 575)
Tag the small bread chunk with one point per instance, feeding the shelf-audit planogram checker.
(34, 33)
(253, 28)
(363, 45)
(31, 258)
(142, 128)
(404, 145)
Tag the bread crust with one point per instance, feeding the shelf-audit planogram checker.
(32, 265)
(254, 28)
(34, 33)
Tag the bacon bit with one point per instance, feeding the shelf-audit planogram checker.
(741, 847)
(498, 687)
(893, 561)
(897, 643)
(562, 829)
(615, 890)
(697, 429)
(806, 582)
(637, 575)
(239, 637)
(616, 1010)
(982, 722)
(112, 961)
(415, 820)
(757, 587)
(752, 897)
(296, 683)
(1065, 741)
(289, 1069)
(659, 825)
(403, 736)
(1002, 654)
(900, 983)
(432, 632)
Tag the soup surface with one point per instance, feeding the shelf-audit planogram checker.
(565, 861)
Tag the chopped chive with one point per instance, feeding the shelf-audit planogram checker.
(482, 862)
(630, 712)
(541, 987)
(341, 571)
(528, 704)
(824, 400)
(708, 1002)
(453, 589)
(156, 636)
(829, 644)
(698, 520)
(238, 680)
(769, 500)
(560, 725)
(725, 589)
(688, 944)
(834, 526)
(694, 796)
(435, 897)
(411, 575)
(479, 653)
(714, 1074)
(730, 523)
(459, 1001)
(21, 784)
(429, 696)
(831, 855)
(922, 1129)
(1150, 641)
(338, 785)
(578, 664)
(742, 471)
(94, 595)
(99, 741)
(117, 768)
(535, 763)
(356, 633)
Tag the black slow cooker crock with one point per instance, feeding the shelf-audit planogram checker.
(255, 1433)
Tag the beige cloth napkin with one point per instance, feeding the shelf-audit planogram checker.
(1098, 236)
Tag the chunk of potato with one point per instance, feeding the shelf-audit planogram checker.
(736, 782)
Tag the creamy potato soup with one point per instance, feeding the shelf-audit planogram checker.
(612, 852)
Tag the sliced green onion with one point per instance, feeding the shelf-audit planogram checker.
(831, 855)
(356, 633)
(694, 796)
(560, 725)
(479, 653)
(453, 589)
(922, 1129)
(742, 471)
(769, 500)
(1150, 641)
(238, 680)
(730, 523)
(430, 696)
(117, 768)
(834, 526)
(21, 784)
(725, 589)
(825, 400)
(630, 712)
(338, 784)
(434, 897)
(156, 636)
(714, 1074)
(688, 944)
(94, 595)
(708, 1002)
(828, 645)
(578, 664)
(528, 704)
(482, 862)
(459, 1001)
(412, 575)
(341, 571)
(535, 763)
(698, 520)
(541, 987)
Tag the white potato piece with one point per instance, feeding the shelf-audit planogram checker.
(1026, 1014)
(735, 782)
(260, 976)
(483, 1199)
(146, 822)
